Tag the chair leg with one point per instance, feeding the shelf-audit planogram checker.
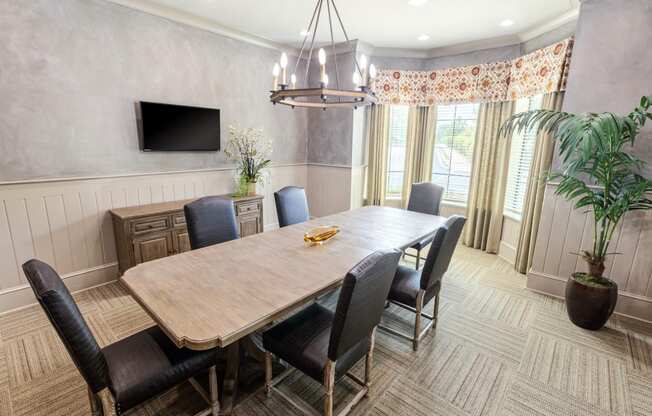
(417, 320)
(107, 402)
(212, 381)
(435, 313)
(368, 363)
(329, 384)
(95, 407)
(418, 258)
(268, 373)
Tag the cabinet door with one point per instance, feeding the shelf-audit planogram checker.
(152, 247)
(181, 241)
(248, 225)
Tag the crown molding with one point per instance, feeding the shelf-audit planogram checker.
(466, 47)
(568, 17)
(174, 15)
(477, 45)
(201, 23)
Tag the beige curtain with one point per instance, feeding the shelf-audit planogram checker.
(378, 143)
(541, 161)
(488, 178)
(419, 147)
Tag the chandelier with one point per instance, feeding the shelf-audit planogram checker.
(322, 96)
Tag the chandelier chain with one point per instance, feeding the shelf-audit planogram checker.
(312, 43)
(305, 38)
(346, 36)
(330, 25)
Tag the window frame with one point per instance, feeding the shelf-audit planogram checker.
(454, 120)
(396, 196)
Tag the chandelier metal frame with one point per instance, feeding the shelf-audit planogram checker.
(323, 96)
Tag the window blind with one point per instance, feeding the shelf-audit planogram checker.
(520, 160)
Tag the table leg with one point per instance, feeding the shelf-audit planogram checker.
(253, 349)
(231, 378)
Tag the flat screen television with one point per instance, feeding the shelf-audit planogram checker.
(167, 127)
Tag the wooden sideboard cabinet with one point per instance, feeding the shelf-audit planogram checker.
(149, 232)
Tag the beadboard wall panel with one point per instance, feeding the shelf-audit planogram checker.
(564, 231)
(66, 223)
(329, 189)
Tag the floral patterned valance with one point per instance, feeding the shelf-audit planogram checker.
(542, 71)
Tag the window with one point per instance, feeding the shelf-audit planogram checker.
(453, 153)
(398, 122)
(520, 160)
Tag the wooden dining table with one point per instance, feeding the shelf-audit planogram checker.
(217, 296)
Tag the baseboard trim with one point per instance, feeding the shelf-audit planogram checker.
(630, 305)
(22, 296)
(507, 252)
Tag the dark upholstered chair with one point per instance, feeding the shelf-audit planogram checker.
(128, 372)
(412, 289)
(291, 206)
(210, 220)
(324, 344)
(425, 197)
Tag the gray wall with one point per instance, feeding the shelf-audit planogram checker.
(611, 67)
(71, 71)
(331, 131)
(503, 53)
(562, 32)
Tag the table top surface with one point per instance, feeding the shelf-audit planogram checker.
(217, 295)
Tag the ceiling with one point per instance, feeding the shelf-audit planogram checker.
(382, 23)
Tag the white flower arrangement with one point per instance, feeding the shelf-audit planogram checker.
(251, 150)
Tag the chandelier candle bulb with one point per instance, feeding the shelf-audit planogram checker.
(356, 79)
(275, 71)
(372, 72)
(284, 64)
(293, 81)
(322, 64)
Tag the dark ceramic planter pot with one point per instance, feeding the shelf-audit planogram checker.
(590, 307)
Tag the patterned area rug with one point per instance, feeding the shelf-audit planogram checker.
(498, 350)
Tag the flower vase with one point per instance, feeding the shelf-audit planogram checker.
(251, 188)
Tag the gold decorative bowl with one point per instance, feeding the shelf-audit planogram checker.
(321, 234)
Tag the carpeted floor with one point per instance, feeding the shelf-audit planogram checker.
(498, 350)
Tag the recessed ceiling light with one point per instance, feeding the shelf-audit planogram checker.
(423, 37)
(304, 32)
(507, 23)
(417, 3)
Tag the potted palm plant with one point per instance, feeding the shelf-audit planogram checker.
(599, 175)
(251, 151)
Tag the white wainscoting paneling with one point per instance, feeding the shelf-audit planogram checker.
(564, 231)
(66, 223)
(329, 189)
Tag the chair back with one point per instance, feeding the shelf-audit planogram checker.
(441, 251)
(291, 206)
(210, 220)
(425, 198)
(362, 300)
(63, 313)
